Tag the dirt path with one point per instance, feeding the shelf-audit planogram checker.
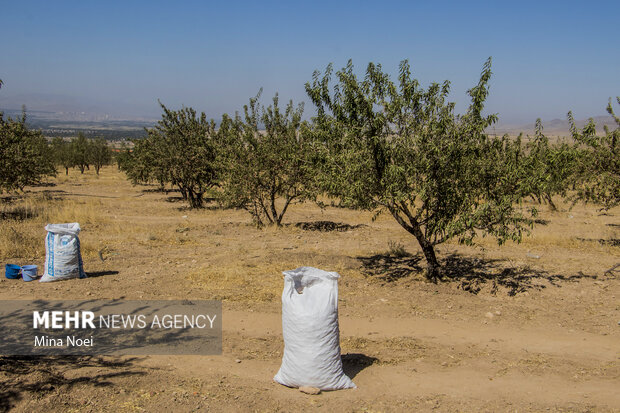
(472, 364)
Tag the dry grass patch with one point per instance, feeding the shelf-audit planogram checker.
(22, 236)
(241, 282)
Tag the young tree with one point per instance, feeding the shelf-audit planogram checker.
(80, 148)
(548, 168)
(62, 153)
(179, 150)
(24, 155)
(123, 157)
(266, 170)
(597, 172)
(142, 165)
(100, 153)
(399, 147)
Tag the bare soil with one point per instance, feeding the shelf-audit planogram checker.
(522, 327)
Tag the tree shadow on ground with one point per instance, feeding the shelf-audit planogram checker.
(60, 195)
(470, 273)
(614, 242)
(613, 271)
(9, 211)
(353, 363)
(327, 226)
(538, 221)
(388, 267)
(95, 274)
(41, 375)
(19, 213)
(43, 185)
(209, 204)
(54, 194)
(8, 199)
(158, 190)
(174, 199)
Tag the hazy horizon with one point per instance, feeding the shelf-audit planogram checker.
(120, 58)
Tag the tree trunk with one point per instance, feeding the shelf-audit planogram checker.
(432, 265)
(195, 198)
(199, 199)
(550, 202)
(433, 272)
(255, 212)
(274, 212)
(66, 170)
(264, 210)
(190, 197)
(183, 192)
(286, 204)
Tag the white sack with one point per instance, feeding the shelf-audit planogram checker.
(63, 259)
(310, 330)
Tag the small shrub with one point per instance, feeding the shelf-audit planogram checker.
(397, 249)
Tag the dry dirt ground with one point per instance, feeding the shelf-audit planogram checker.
(522, 327)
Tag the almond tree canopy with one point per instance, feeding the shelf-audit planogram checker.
(397, 147)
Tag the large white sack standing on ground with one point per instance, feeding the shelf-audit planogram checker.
(311, 332)
(63, 258)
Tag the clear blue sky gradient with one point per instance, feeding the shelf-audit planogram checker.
(549, 57)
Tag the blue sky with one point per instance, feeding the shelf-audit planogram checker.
(548, 57)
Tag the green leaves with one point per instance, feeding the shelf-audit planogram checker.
(264, 171)
(80, 152)
(400, 147)
(24, 155)
(99, 153)
(180, 151)
(596, 175)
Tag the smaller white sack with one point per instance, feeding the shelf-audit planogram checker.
(310, 330)
(63, 258)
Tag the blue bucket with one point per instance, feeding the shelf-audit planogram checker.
(12, 271)
(29, 272)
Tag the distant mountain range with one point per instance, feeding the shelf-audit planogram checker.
(555, 127)
(68, 108)
(60, 115)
